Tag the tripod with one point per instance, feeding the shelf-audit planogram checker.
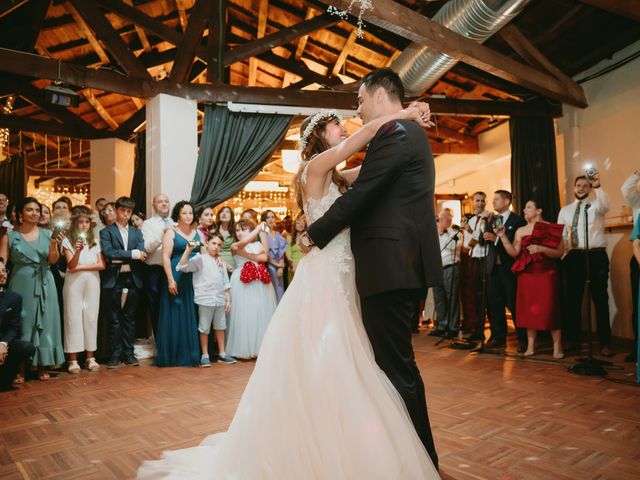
(588, 365)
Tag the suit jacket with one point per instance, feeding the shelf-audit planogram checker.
(513, 223)
(116, 255)
(390, 209)
(10, 316)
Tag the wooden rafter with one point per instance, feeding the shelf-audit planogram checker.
(27, 124)
(217, 41)
(132, 123)
(263, 12)
(523, 47)
(191, 39)
(87, 33)
(302, 43)
(114, 43)
(624, 8)
(10, 5)
(100, 110)
(182, 14)
(346, 49)
(40, 67)
(140, 31)
(420, 29)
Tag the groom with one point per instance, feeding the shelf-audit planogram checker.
(390, 209)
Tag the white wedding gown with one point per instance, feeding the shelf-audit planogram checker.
(317, 406)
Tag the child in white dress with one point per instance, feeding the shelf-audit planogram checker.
(81, 291)
(252, 294)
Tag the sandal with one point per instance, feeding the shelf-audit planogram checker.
(43, 376)
(19, 380)
(92, 365)
(74, 367)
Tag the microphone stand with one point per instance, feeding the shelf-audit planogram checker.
(447, 333)
(588, 365)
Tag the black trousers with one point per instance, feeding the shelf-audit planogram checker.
(388, 319)
(575, 274)
(155, 281)
(19, 351)
(502, 294)
(635, 277)
(123, 317)
(478, 299)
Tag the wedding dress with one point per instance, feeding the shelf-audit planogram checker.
(317, 406)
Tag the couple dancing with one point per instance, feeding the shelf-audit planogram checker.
(321, 402)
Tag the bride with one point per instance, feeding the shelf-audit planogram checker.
(317, 405)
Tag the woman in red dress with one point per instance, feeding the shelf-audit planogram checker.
(536, 247)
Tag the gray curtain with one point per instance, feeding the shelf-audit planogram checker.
(13, 177)
(233, 149)
(534, 171)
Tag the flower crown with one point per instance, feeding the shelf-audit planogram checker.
(313, 123)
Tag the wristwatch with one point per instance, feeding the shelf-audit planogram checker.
(306, 241)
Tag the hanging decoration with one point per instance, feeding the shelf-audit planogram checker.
(47, 194)
(4, 132)
(363, 7)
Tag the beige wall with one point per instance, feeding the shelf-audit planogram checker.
(112, 164)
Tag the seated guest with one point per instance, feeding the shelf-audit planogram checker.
(631, 192)
(537, 247)
(447, 295)
(123, 248)
(212, 294)
(177, 333)
(13, 351)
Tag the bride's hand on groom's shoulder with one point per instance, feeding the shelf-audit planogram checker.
(420, 113)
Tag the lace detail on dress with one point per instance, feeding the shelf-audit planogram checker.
(316, 208)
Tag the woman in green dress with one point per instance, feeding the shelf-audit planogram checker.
(225, 226)
(32, 250)
(294, 253)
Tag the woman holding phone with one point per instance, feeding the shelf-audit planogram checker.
(177, 333)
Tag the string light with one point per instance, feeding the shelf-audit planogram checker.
(47, 194)
(4, 132)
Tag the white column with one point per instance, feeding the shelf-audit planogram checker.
(112, 164)
(172, 147)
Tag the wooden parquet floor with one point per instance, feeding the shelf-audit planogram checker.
(493, 418)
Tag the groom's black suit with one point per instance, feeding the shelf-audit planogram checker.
(390, 209)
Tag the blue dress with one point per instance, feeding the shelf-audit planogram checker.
(635, 235)
(177, 332)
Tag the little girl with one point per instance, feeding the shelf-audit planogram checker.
(81, 291)
(252, 294)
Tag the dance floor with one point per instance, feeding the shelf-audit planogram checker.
(493, 418)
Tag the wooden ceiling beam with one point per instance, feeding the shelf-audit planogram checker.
(217, 41)
(623, 8)
(190, 41)
(440, 148)
(263, 14)
(523, 47)
(10, 5)
(128, 127)
(88, 34)
(182, 15)
(49, 127)
(41, 67)
(100, 110)
(418, 28)
(302, 43)
(346, 49)
(103, 29)
(140, 32)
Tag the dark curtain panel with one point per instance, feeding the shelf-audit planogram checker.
(233, 149)
(139, 183)
(534, 172)
(13, 177)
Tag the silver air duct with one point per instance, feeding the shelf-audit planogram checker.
(420, 67)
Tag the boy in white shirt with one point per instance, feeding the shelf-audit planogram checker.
(211, 291)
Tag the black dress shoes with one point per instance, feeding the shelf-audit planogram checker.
(131, 360)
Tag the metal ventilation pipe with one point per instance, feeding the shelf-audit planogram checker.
(420, 67)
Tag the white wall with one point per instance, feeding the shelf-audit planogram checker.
(489, 170)
(606, 135)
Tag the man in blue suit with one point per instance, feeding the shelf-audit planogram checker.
(123, 248)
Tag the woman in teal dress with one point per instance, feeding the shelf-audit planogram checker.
(225, 226)
(31, 251)
(635, 238)
(177, 341)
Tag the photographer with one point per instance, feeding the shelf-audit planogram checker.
(589, 197)
(447, 295)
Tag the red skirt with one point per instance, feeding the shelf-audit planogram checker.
(538, 296)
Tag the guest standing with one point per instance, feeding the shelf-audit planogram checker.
(537, 247)
(253, 299)
(225, 226)
(31, 251)
(177, 332)
(137, 220)
(153, 230)
(631, 192)
(572, 216)
(81, 291)
(204, 217)
(635, 238)
(123, 248)
(45, 216)
(277, 248)
(294, 252)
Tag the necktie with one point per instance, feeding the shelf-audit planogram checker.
(574, 225)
